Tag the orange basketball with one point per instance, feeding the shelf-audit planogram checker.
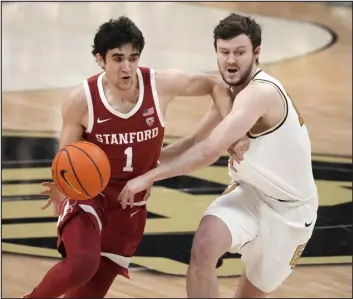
(81, 170)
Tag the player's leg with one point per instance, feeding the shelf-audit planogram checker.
(99, 285)
(211, 241)
(227, 225)
(81, 237)
(272, 256)
(246, 289)
(120, 237)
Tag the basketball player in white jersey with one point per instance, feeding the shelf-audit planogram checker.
(268, 212)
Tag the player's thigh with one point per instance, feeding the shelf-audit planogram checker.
(122, 233)
(79, 231)
(271, 257)
(236, 208)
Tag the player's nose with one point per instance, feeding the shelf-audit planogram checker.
(231, 61)
(126, 67)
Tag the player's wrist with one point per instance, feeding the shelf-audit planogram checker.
(154, 175)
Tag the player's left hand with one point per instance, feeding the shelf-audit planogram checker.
(132, 187)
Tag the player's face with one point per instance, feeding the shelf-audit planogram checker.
(236, 59)
(121, 65)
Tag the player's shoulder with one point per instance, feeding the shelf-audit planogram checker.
(76, 99)
(263, 80)
(93, 78)
(261, 88)
(258, 95)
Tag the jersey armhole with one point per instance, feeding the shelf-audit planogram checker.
(155, 97)
(90, 107)
(284, 117)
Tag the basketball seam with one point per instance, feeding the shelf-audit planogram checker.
(73, 170)
(100, 175)
(56, 170)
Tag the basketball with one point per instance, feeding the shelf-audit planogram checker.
(81, 170)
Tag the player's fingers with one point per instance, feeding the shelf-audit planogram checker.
(47, 204)
(147, 195)
(246, 147)
(247, 144)
(47, 184)
(241, 153)
(123, 199)
(131, 201)
(235, 157)
(56, 208)
(121, 195)
(45, 192)
(231, 152)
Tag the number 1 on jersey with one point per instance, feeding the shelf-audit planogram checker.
(128, 165)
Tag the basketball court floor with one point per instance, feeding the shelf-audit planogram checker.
(46, 51)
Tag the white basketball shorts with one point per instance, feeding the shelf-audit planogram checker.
(270, 235)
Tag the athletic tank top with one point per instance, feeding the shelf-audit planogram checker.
(278, 161)
(132, 141)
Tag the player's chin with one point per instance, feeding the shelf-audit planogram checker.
(125, 85)
(232, 81)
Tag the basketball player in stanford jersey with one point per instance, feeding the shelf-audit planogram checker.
(268, 212)
(121, 110)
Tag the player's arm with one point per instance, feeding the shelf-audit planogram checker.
(251, 104)
(175, 83)
(74, 109)
(210, 120)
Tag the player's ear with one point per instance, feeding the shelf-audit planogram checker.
(100, 60)
(257, 52)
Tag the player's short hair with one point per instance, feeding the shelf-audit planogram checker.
(235, 25)
(116, 33)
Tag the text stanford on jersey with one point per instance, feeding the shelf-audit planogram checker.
(127, 138)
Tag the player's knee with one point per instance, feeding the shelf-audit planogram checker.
(200, 252)
(83, 266)
(211, 241)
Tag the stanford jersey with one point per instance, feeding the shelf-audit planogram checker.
(133, 140)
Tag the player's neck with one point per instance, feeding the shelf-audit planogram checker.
(239, 88)
(121, 95)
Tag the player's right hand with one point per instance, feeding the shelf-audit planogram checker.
(237, 149)
(55, 197)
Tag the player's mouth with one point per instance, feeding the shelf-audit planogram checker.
(232, 71)
(126, 77)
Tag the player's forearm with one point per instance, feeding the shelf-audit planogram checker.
(175, 149)
(200, 155)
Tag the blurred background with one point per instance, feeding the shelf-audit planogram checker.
(46, 50)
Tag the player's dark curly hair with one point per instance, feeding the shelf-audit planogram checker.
(235, 25)
(115, 33)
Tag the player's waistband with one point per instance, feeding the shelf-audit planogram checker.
(112, 191)
(295, 201)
